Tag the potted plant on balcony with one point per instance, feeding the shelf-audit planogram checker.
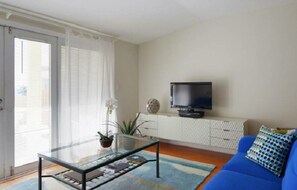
(128, 128)
(107, 138)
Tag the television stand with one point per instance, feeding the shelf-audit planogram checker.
(191, 113)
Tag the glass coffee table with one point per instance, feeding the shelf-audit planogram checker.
(87, 165)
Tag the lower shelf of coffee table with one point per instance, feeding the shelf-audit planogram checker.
(95, 182)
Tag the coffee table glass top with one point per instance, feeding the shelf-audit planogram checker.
(89, 154)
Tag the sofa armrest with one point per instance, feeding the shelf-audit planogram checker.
(245, 143)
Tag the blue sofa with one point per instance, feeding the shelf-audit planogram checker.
(242, 174)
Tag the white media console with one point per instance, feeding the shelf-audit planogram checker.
(210, 132)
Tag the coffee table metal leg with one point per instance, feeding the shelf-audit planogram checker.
(40, 173)
(116, 144)
(157, 160)
(84, 186)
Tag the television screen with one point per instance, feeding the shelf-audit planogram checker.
(191, 95)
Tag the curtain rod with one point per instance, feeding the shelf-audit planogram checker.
(11, 10)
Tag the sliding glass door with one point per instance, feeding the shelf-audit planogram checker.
(2, 124)
(30, 97)
(32, 117)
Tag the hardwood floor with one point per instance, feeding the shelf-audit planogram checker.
(218, 159)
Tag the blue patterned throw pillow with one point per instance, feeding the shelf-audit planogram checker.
(270, 150)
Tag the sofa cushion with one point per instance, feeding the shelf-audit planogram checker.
(285, 131)
(270, 150)
(290, 178)
(239, 163)
(245, 143)
(228, 180)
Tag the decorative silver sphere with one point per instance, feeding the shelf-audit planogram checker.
(153, 105)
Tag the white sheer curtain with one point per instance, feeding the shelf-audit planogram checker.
(87, 81)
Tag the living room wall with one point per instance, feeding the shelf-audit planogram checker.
(250, 58)
(126, 79)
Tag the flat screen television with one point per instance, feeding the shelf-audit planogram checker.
(191, 95)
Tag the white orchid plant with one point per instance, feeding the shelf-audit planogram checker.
(110, 104)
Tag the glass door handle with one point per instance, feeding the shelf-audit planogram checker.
(1, 105)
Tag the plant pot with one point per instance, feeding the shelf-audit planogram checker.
(105, 143)
(128, 144)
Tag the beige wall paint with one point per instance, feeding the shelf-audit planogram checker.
(126, 79)
(250, 58)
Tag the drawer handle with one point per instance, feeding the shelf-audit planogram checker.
(226, 130)
(226, 139)
(226, 121)
(146, 128)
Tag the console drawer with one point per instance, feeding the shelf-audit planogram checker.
(227, 125)
(225, 133)
(224, 143)
(148, 131)
(152, 121)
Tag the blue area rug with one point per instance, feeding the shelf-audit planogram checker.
(175, 174)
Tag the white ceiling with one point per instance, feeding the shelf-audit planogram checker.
(138, 21)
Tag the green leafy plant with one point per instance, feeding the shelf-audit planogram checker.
(128, 128)
(105, 137)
